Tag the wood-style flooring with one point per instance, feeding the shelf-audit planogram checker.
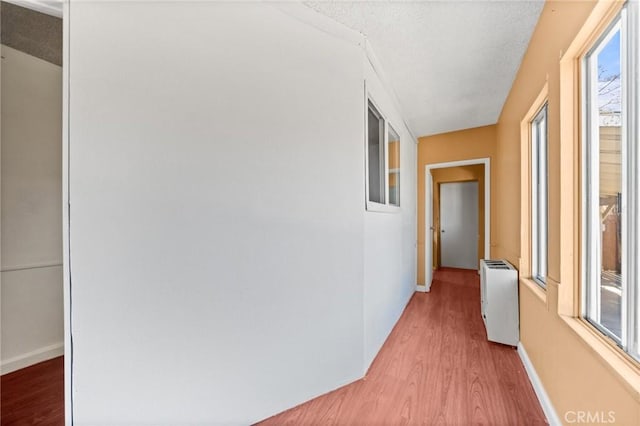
(33, 395)
(436, 367)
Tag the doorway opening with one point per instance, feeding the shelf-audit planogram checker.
(475, 170)
(32, 346)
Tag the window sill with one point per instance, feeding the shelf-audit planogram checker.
(382, 208)
(535, 288)
(624, 368)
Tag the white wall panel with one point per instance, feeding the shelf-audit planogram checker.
(216, 212)
(220, 249)
(390, 238)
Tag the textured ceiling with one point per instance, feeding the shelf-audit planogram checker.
(451, 63)
(49, 7)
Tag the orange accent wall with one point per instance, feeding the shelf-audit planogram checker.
(394, 154)
(575, 377)
(454, 146)
(394, 162)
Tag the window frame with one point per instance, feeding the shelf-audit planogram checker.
(623, 367)
(627, 22)
(374, 206)
(539, 214)
(526, 196)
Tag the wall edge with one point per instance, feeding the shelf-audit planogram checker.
(541, 393)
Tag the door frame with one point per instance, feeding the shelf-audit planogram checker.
(428, 211)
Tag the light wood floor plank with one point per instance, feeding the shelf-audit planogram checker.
(436, 368)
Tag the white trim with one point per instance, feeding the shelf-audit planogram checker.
(421, 289)
(633, 116)
(25, 266)
(428, 216)
(66, 270)
(372, 206)
(48, 7)
(628, 312)
(539, 204)
(543, 398)
(30, 358)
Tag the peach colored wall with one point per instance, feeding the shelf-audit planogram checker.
(457, 174)
(394, 161)
(573, 375)
(454, 146)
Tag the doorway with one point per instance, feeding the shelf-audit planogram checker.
(432, 233)
(459, 225)
(32, 337)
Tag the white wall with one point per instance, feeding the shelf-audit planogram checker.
(390, 238)
(32, 303)
(217, 213)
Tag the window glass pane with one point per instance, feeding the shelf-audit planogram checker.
(375, 142)
(605, 142)
(539, 193)
(394, 167)
(542, 196)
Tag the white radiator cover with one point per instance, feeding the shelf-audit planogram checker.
(499, 301)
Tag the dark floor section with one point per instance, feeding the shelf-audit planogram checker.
(34, 395)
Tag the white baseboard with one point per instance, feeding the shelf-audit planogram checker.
(422, 289)
(30, 358)
(545, 402)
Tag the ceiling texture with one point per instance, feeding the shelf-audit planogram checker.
(450, 63)
(48, 7)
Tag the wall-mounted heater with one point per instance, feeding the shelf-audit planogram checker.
(499, 301)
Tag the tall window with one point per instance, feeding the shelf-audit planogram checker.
(383, 162)
(610, 174)
(539, 197)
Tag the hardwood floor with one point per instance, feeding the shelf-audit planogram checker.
(435, 368)
(34, 395)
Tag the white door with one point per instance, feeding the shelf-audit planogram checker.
(459, 225)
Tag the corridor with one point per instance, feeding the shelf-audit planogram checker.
(436, 367)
